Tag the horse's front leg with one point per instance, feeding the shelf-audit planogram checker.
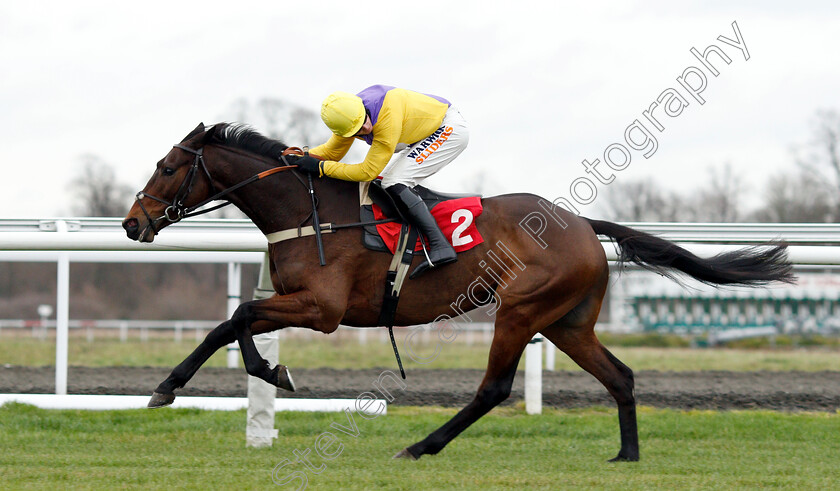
(222, 335)
(256, 317)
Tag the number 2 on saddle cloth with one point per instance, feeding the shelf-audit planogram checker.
(455, 217)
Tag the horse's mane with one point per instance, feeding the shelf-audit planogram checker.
(244, 137)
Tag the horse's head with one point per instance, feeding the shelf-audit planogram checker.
(180, 181)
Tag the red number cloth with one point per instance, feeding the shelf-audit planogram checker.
(445, 212)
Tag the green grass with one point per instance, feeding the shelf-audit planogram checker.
(345, 352)
(568, 449)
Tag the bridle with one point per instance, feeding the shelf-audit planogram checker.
(176, 210)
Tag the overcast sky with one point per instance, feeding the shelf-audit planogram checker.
(544, 85)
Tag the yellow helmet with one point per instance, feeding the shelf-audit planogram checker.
(343, 113)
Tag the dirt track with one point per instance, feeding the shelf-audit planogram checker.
(790, 391)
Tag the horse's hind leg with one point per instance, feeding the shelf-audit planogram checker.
(508, 344)
(273, 313)
(256, 365)
(222, 335)
(574, 334)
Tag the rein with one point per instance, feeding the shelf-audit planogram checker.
(176, 211)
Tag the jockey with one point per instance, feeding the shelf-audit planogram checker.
(411, 136)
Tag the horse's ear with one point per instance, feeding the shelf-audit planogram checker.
(209, 135)
(198, 129)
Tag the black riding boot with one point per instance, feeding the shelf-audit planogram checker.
(440, 251)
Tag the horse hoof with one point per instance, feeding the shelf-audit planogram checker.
(161, 400)
(284, 378)
(404, 454)
(623, 458)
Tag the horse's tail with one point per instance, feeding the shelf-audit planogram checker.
(750, 266)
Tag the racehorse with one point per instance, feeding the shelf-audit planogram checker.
(551, 283)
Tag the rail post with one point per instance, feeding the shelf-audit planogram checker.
(234, 298)
(550, 353)
(62, 315)
(533, 375)
(259, 428)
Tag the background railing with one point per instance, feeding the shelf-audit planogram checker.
(235, 242)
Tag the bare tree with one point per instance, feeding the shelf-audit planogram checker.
(644, 200)
(633, 200)
(293, 124)
(97, 191)
(801, 196)
(720, 200)
(808, 193)
(820, 157)
(276, 118)
(827, 140)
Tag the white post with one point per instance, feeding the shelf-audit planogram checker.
(533, 376)
(550, 352)
(123, 331)
(44, 311)
(259, 427)
(489, 330)
(234, 299)
(62, 315)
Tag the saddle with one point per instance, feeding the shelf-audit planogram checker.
(403, 241)
(458, 212)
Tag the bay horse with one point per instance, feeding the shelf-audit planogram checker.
(551, 284)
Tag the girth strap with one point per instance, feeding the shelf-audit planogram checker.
(294, 233)
(326, 228)
(394, 280)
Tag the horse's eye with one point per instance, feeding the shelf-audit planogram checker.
(168, 171)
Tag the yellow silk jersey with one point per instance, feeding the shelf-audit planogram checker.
(398, 116)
